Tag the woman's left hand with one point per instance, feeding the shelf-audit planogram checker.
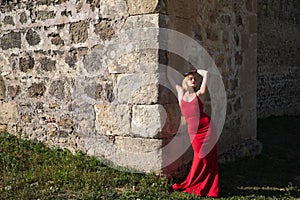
(202, 72)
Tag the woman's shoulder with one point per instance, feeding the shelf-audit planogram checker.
(179, 88)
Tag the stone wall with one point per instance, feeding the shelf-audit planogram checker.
(63, 83)
(278, 58)
(58, 85)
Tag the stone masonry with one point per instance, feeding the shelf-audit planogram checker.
(61, 83)
(278, 53)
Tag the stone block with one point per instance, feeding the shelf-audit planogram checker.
(94, 4)
(182, 9)
(148, 120)
(182, 25)
(225, 19)
(54, 106)
(23, 18)
(137, 89)
(102, 91)
(128, 160)
(128, 63)
(5, 68)
(71, 60)
(94, 64)
(47, 64)
(137, 145)
(11, 40)
(8, 113)
(9, 20)
(143, 162)
(37, 90)
(137, 7)
(26, 118)
(141, 21)
(86, 127)
(149, 56)
(14, 90)
(105, 29)
(249, 5)
(32, 37)
(212, 33)
(56, 40)
(2, 88)
(142, 60)
(26, 63)
(112, 119)
(57, 89)
(79, 31)
(44, 15)
(113, 9)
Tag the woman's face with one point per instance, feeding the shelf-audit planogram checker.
(191, 81)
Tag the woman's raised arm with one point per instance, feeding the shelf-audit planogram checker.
(204, 74)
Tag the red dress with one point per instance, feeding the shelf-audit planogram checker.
(203, 177)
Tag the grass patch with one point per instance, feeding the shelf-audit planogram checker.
(32, 171)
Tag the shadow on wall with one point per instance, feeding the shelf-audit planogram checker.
(179, 18)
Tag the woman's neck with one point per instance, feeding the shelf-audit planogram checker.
(190, 91)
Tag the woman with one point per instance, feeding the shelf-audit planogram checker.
(203, 177)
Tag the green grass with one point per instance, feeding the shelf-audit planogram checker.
(32, 171)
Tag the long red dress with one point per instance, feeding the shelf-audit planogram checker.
(203, 177)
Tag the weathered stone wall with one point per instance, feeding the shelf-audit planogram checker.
(56, 86)
(61, 82)
(278, 77)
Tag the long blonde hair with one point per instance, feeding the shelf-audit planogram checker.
(185, 85)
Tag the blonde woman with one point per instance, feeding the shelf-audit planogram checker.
(203, 177)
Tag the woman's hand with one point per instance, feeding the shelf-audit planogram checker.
(202, 72)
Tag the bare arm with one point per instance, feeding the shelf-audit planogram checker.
(202, 88)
